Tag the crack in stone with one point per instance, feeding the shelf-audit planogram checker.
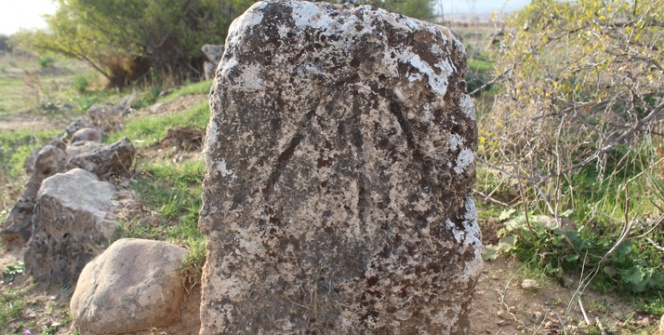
(286, 155)
(395, 109)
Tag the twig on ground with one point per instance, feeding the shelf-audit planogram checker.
(583, 311)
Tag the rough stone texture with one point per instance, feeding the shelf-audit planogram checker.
(86, 134)
(107, 116)
(17, 229)
(102, 159)
(92, 156)
(213, 52)
(78, 124)
(339, 171)
(134, 285)
(70, 225)
(660, 330)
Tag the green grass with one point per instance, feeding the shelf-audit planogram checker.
(51, 83)
(12, 305)
(17, 145)
(149, 130)
(202, 87)
(175, 193)
(480, 65)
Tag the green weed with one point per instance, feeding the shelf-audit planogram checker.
(11, 305)
(80, 84)
(480, 65)
(46, 61)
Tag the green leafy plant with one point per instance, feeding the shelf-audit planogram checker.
(12, 271)
(46, 61)
(80, 84)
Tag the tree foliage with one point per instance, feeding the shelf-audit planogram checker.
(419, 9)
(587, 74)
(127, 39)
(578, 115)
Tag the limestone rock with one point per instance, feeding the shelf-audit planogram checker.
(339, 171)
(70, 224)
(86, 134)
(107, 116)
(78, 124)
(530, 285)
(213, 52)
(17, 229)
(100, 113)
(102, 159)
(134, 285)
(660, 330)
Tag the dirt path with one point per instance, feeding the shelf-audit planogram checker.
(34, 123)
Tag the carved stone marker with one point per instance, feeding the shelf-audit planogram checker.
(339, 172)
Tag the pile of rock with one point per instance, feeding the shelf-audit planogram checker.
(65, 214)
(65, 219)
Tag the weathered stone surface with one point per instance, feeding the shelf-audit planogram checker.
(17, 229)
(213, 52)
(84, 152)
(78, 124)
(133, 285)
(339, 171)
(100, 114)
(86, 134)
(106, 116)
(70, 225)
(102, 159)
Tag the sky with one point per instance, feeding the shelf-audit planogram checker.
(17, 14)
(478, 6)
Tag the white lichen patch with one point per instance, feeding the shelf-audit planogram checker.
(455, 142)
(465, 158)
(467, 106)
(308, 14)
(473, 239)
(223, 169)
(438, 83)
(458, 233)
(250, 77)
(211, 136)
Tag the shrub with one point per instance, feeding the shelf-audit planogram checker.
(581, 87)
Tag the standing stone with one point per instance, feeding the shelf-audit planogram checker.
(70, 225)
(339, 171)
(213, 52)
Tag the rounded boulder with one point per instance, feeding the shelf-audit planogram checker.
(134, 285)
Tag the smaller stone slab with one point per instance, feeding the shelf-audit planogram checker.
(70, 225)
